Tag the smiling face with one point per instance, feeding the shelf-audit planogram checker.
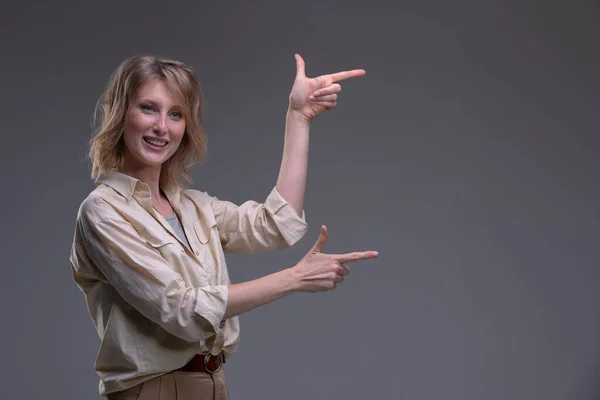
(154, 127)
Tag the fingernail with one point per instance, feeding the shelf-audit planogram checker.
(316, 93)
(375, 253)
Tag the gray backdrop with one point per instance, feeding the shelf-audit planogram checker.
(467, 156)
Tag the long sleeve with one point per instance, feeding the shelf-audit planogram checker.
(144, 279)
(254, 227)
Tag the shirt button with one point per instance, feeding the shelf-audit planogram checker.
(197, 252)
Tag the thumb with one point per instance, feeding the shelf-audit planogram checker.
(321, 240)
(299, 66)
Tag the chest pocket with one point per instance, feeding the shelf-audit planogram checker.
(208, 236)
(207, 251)
(157, 237)
(206, 228)
(206, 232)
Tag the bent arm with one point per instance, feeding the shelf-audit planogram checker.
(254, 227)
(249, 295)
(316, 272)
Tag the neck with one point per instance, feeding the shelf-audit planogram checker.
(149, 175)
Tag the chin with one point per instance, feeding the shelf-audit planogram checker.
(152, 162)
(156, 163)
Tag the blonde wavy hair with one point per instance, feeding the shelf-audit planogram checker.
(107, 144)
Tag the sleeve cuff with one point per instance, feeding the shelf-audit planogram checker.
(291, 226)
(211, 304)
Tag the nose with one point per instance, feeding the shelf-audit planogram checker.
(160, 124)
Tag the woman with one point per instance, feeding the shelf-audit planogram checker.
(148, 253)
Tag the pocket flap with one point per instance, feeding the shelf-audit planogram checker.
(205, 223)
(203, 231)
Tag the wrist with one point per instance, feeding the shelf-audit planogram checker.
(297, 117)
(290, 279)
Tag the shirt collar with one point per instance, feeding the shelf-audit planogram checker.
(126, 185)
(174, 196)
(121, 183)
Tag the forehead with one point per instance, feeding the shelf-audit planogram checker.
(158, 91)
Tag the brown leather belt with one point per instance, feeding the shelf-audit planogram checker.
(204, 363)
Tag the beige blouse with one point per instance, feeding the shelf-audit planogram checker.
(155, 301)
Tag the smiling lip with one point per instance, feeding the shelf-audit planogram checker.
(148, 139)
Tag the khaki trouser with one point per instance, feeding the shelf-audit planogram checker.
(178, 385)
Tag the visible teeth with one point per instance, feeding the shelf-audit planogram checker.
(155, 142)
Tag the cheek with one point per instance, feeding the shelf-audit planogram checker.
(138, 122)
(177, 132)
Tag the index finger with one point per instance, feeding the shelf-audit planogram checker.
(343, 75)
(356, 256)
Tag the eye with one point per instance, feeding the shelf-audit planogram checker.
(176, 114)
(146, 107)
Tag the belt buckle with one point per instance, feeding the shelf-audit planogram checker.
(207, 358)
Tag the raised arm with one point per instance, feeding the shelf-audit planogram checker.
(309, 97)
